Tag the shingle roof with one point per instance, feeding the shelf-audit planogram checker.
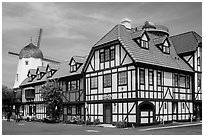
(62, 71)
(151, 56)
(41, 69)
(186, 42)
(53, 66)
(79, 59)
(32, 71)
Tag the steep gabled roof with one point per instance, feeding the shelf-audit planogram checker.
(186, 42)
(152, 56)
(63, 70)
(32, 71)
(41, 69)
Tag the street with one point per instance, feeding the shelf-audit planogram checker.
(35, 128)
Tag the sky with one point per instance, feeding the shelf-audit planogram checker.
(73, 28)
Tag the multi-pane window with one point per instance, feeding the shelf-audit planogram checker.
(151, 78)
(187, 82)
(176, 80)
(107, 80)
(73, 68)
(144, 44)
(159, 78)
(142, 76)
(122, 78)
(94, 83)
(182, 80)
(107, 55)
(112, 54)
(102, 57)
(166, 49)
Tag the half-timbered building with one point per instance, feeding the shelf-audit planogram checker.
(189, 47)
(135, 75)
(70, 79)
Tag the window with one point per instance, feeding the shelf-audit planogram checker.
(102, 57)
(151, 78)
(78, 110)
(73, 68)
(107, 55)
(198, 61)
(30, 93)
(188, 82)
(176, 80)
(159, 78)
(34, 110)
(144, 44)
(49, 73)
(26, 62)
(94, 83)
(182, 81)
(142, 76)
(107, 82)
(112, 54)
(69, 110)
(122, 78)
(166, 49)
(74, 85)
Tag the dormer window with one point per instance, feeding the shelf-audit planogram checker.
(166, 48)
(144, 44)
(163, 44)
(142, 39)
(73, 68)
(49, 74)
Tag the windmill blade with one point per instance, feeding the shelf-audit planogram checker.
(45, 58)
(13, 53)
(39, 37)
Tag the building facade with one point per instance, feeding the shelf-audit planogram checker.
(131, 74)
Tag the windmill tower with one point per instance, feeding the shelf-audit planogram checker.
(30, 57)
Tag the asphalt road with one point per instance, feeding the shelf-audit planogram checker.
(32, 128)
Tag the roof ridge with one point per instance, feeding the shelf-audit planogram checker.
(182, 33)
(105, 35)
(193, 32)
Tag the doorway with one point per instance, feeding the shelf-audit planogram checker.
(146, 113)
(107, 118)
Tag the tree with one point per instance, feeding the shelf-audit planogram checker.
(7, 98)
(52, 96)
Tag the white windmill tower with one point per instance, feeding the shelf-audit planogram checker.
(30, 57)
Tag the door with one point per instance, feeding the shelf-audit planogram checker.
(107, 113)
(175, 111)
(146, 113)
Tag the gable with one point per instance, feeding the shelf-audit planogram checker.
(121, 57)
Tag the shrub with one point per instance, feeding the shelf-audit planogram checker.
(121, 124)
(88, 121)
(96, 121)
(80, 121)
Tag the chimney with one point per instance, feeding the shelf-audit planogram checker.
(126, 22)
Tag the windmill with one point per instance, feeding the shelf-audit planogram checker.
(30, 57)
(45, 58)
